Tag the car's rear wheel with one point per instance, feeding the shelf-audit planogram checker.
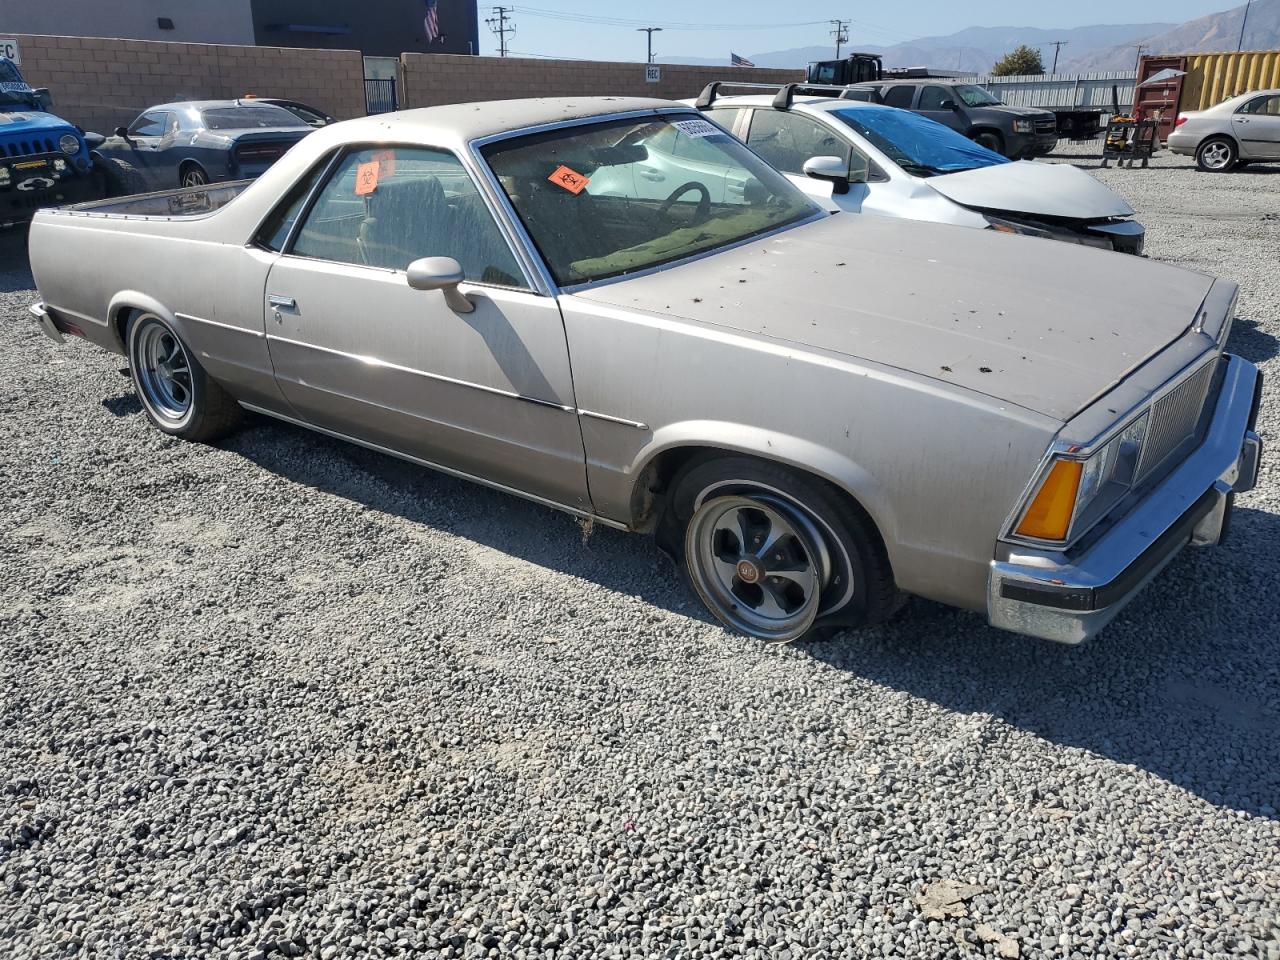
(193, 175)
(775, 554)
(1217, 155)
(177, 394)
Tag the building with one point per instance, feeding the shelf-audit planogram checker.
(377, 28)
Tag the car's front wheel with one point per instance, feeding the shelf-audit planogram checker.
(991, 140)
(1217, 155)
(177, 394)
(774, 553)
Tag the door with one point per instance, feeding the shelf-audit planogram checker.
(1257, 128)
(787, 140)
(143, 149)
(357, 351)
(942, 105)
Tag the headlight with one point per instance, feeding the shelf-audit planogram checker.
(1009, 226)
(1023, 126)
(69, 143)
(1074, 493)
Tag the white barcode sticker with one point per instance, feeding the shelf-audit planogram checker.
(697, 128)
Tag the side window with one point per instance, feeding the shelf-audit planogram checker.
(1264, 106)
(932, 98)
(787, 140)
(726, 117)
(386, 207)
(150, 124)
(275, 229)
(900, 96)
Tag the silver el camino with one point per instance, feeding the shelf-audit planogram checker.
(816, 414)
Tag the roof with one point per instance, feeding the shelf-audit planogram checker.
(816, 103)
(462, 122)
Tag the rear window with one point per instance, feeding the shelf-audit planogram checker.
(249, 117)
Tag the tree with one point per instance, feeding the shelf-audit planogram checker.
(1024, 61)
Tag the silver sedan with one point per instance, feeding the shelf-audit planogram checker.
(1235, 133)
(814, 413)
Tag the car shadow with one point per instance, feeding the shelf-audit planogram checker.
(1249, 340)
(1183, 685)
(15, 272)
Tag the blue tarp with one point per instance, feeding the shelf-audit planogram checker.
(917, 143)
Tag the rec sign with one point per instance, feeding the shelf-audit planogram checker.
(9, 48)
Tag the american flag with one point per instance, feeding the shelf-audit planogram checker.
(431, 22)
(737, 61)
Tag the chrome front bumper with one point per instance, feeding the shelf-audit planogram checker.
(1071, 597)
(38, 311)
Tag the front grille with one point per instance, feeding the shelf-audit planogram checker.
(1174, 419)
(24, 148)
(1047, 126)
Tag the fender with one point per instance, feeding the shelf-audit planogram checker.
(803, 455)
(136, 300)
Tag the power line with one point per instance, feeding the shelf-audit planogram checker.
(1243, 23)
(572, 17)
(840, 30)
(498, 24)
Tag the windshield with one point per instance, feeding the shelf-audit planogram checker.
(13, 89)
(917, 144)
(610, 198)
(975, 96)
(247, 117)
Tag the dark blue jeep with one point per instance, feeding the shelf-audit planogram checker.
(44, 160)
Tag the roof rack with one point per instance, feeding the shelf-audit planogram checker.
(786, 92)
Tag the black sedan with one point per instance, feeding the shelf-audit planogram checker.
(196, 142)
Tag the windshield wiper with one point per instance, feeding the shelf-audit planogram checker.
(920, 168)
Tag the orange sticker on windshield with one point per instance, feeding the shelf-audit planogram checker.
(386, 161)
(571, 180)
(366, 178)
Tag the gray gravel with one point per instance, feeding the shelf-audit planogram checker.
(285, 697)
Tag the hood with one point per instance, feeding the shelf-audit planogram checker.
(28, 121)
(1031, 112)
(1040, 189)
(998, 314)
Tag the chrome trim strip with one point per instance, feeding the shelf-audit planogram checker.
(430, 465)
(221, 326)
(441, 378)
(76, 313)
(609, 419)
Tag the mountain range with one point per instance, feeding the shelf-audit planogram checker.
(1093, 48)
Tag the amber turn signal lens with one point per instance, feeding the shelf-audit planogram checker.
(1049, 516)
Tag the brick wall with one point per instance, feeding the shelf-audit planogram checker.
(431, 79)
(102, 84)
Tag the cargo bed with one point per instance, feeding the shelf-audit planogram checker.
(184, 202)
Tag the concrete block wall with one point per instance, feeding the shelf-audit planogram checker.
(103, 83)
(432, 79)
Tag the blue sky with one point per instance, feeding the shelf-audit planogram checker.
(881, 24)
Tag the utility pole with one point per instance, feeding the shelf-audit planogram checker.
(1057, 45)
(1243, 23)
(498, 24)
(840, 30)
(650, 31)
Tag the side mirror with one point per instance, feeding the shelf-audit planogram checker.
(443, 274)
(43, 97)
(123, 134)
(832, 169)
(949, 105)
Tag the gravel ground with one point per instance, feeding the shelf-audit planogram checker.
(285, 697)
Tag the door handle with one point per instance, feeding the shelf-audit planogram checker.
(287, 302)
(652, 175)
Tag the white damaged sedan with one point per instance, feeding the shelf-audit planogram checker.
(866, 158)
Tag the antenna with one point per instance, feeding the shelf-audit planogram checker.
(498, 24)
(840, 30)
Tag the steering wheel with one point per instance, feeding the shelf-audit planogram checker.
(704, 202)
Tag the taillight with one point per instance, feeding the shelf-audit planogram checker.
(1180, 121)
